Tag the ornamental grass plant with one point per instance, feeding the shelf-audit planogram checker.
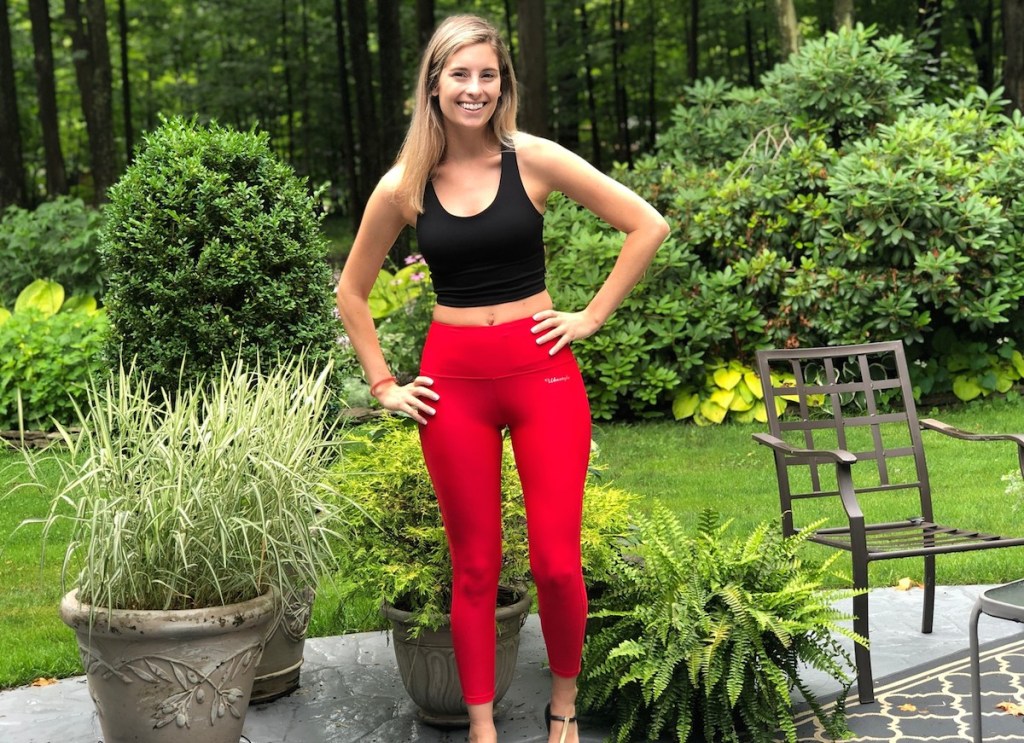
(209, 496)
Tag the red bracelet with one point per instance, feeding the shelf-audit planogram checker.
(373, 388)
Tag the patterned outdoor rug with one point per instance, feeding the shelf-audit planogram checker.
(933, 702)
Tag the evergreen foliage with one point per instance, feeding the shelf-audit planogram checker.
(701, 636)
(59, 241)
(212, 246)
(815, 211)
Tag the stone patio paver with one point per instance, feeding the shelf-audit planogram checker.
(351, 692)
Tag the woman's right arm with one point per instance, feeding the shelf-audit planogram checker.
(382, 222)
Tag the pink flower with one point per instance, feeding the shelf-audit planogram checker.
(418, 276)
(415, 258)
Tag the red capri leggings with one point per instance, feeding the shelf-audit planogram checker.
(488, 378)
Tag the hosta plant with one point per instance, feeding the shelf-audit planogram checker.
(51, 350)
(732, 390)
(702, 636)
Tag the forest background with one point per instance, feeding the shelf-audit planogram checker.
(82, 80)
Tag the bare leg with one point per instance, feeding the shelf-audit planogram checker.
(563, 704)
(481, 723)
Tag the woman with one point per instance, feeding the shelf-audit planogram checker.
(496, 355)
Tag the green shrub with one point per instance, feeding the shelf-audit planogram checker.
(213, 247)
(58, 241)
(853, 213)
(702, 637)
(51, 350)
(399, 552)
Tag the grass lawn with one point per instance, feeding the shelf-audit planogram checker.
(686, 467)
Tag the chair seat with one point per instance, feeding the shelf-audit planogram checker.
(913, 537)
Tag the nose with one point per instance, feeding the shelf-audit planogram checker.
(474, 85)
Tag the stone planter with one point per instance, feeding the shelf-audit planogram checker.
(427, 663)
(278, 672)
(171, 676)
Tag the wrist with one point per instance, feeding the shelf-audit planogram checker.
(380, 384)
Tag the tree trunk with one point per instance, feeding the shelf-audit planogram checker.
(12, 166)
(692, 41)
(389, 33)
(789, 32)
(652, 77)
(92, 68)
(929, 22)
(567, 122)
(979, 35)
(588, 63)
(348, 142)
(842, 14)
(1013, 47)
(532, 69)
(624, 148)
(508, 29)
(126, 88)
(304, 68)
(369, 140)
(424, 22)
(748, 37)
(289, 94)
(46, 92)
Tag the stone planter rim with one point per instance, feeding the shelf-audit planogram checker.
(502, 613)
(180, 623)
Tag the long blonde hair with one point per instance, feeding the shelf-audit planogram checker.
(424, 144)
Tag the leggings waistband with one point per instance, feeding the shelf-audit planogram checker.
(488, 351)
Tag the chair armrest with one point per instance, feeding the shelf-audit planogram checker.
(836, 456)
(931, 424)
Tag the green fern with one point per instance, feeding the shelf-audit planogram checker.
(701, 637)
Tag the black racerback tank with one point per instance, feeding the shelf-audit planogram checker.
(491, 257)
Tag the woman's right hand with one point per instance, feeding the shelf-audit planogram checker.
(408, 399)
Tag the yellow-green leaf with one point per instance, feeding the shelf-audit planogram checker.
(80, 303)
(722, 398)
(754, 383)
(748, 416)
(5, 315)
(744, 391)
(685, 404)
(45, 296)
(713, 411)
(740, 404)
(760, 412)
(780, 405)
(966, 388)
(1018, 362)
(727, 378)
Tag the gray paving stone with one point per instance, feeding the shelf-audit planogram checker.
(351, 692)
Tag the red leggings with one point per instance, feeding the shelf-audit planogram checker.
(488, 378)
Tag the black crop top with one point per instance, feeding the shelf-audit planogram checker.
(488, 258)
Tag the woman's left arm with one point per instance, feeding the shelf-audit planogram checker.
(645, 229)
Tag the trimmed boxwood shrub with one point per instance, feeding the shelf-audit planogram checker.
(212, 248)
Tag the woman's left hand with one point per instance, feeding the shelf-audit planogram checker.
(563, 327)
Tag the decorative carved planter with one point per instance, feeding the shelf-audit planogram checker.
(427, 663)
(277, 675)
(170, 676)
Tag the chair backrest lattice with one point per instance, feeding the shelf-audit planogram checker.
(857, 398)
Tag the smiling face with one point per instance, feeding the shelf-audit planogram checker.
(469, 86)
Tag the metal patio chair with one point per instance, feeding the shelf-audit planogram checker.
(854, 404)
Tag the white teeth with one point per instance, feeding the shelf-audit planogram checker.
(472, 106)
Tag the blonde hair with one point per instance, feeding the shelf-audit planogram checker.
(424, 144)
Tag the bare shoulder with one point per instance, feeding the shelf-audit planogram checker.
(386, 196)
(558, 168)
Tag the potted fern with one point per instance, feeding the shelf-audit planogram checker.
(192, 515)
(701, 637)
(399, 554)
